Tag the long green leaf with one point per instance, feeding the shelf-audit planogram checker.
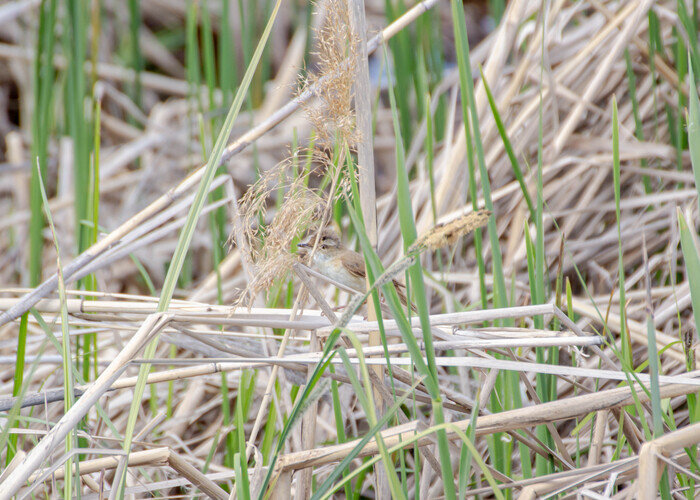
(517, 171)
(187, 231)
(467, 92)
(68, 394)
(691, 255)
(626, 348)
(694, 128)
(462, 45)
(409, 235)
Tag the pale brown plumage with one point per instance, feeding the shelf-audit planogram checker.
(335, 261)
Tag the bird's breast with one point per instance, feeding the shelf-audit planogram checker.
(333, 268)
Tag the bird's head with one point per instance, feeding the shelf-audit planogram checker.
(329, 243)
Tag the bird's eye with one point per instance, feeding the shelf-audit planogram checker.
(323, 246)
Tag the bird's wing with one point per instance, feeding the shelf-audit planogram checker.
(354, 264)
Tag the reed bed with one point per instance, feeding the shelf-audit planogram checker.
(529, 169)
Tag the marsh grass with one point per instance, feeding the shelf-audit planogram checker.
(536, 190)
(43, 97)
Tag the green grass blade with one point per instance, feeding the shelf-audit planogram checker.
(43, 80)
(638, 130)
(135, 59)
(517, 171)
(187, 231)
(6, 441)
(654, 368)
(465, 459)
(403, 67)
(691, 32)
(340, 432)
(409, 235)
(209, 58)
(242, 481)
(654, 35)
(68, 393)
(694, 129)
(626, 347)
(469, 443)
(430, 156)
(227, 57)
(74, 42)
(497, 8)
(691, 255)
(546, 385)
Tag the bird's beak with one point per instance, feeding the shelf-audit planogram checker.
(303, 249)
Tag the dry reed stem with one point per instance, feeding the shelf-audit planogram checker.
(366, 182)
(486, 424)
(650, 470)
(150, 327)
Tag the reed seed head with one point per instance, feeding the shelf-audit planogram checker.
(449, 233)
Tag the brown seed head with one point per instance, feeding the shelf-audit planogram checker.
(449, 233)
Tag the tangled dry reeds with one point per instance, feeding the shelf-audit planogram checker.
(539, 377)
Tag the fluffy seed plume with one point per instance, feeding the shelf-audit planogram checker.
(270, 244)
(333, 77)
(450, 232)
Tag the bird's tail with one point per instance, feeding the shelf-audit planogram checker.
(401, 291)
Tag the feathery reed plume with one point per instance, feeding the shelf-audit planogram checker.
(334, 117)
(300, 209)
(270, 243)
(334, 122)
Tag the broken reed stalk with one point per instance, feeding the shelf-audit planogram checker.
(650, 468)
(158, 457)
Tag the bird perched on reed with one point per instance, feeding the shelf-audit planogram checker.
(339, 263)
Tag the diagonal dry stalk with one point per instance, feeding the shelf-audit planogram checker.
(487, 424)
(72, 417)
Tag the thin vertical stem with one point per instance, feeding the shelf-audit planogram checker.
(365, 165)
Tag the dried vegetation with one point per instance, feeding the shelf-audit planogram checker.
(551, 371)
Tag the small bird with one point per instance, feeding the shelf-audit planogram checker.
(338, 263)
